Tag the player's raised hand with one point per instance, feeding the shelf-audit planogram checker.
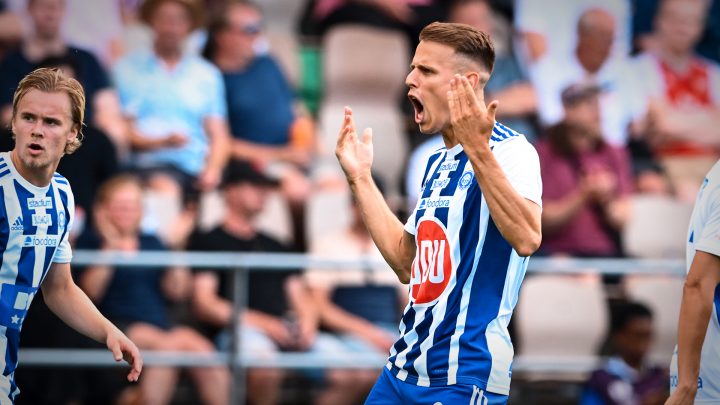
(354, 154)
(124, 349)
(472, 121)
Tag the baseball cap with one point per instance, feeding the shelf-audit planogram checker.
(580, 91)
(241, 171)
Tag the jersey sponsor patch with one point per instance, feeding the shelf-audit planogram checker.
(42, 202)
(432, 267)
(438, 202)
(448, 166)
(437, 183)
(41, 220)
(36, 241)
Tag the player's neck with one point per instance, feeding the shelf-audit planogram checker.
(39, 177)
(448, 137)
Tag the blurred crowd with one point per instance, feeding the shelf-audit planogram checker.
(210, 126)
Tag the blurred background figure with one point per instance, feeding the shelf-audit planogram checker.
(267, 125)
(586, 181)
(359, 305)
(175, 106)
(681, 92)
(44, 39)
(135, 299)
(10, 28)
(627, 377)
(281, 314)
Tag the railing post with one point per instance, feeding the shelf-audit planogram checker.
(240, 293)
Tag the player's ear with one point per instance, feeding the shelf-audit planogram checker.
(477, 79)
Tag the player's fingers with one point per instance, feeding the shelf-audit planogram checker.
(136, 362)
(367, 136)
(116, 351)
(470, 97)
(457, 96)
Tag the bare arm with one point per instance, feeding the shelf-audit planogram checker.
(95, 280)
(208, 306)
(219, 153)
(695, 312)
(558, 213)
(355, 156)
(245, 150)
(70, 304)
(517, 218)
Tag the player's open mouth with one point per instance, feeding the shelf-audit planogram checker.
(34, 147)
(419, 108)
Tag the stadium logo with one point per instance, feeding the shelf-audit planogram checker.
(35, 241)
(17, 225)
(437, 183)
(42, 202)
(432, 267)
(440, 202)
(448, 166)
(466, 180)
(40, 220)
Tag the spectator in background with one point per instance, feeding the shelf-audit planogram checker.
(175, 105)
(587, 181)
(681, 92)
(264, 126)
(508, 84)
(281, 314)
(360, 305)
(627, 378)
(135, 298)
(591, 61)
(45, 40)
(10, 28)
(547, 29)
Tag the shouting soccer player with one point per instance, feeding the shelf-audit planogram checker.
(464, 250)
(36, 213)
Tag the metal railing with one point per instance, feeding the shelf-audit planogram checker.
(240, 263)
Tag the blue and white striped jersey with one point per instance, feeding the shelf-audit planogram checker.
(34, 226)
(465, 277)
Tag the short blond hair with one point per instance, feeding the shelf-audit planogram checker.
(464, 39)
(53, 80)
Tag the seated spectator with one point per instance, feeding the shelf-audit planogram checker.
(508, 84)
(264, 126)
(135, 298)
(281, 314)
(587, 181)
(10, 28)
(175, 105)
(362, 306)
(626, 377)
(591, 60)
(681, 92)
(45, 40)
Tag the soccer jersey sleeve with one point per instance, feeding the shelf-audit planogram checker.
(63, 254)
(709, 240)
(521, 165)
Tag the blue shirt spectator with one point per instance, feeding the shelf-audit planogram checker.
(163, 101)
(260, 103)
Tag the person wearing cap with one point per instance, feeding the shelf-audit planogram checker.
(281, 314)
(174, 103)
(587, 180)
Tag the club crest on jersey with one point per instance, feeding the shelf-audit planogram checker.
(466, 180)
(17, 225)
(432, 267)
(42, 202)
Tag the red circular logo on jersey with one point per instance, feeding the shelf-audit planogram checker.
(432, 267)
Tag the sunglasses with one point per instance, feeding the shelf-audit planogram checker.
(248, 29)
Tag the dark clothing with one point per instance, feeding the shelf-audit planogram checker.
(90, 74)
(266, 288)
(260, 103)
(616, 383)
(133, 294)
(86, 169)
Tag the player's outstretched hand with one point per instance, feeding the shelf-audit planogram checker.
(355, 155)
(123, 348)
(472, 121)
